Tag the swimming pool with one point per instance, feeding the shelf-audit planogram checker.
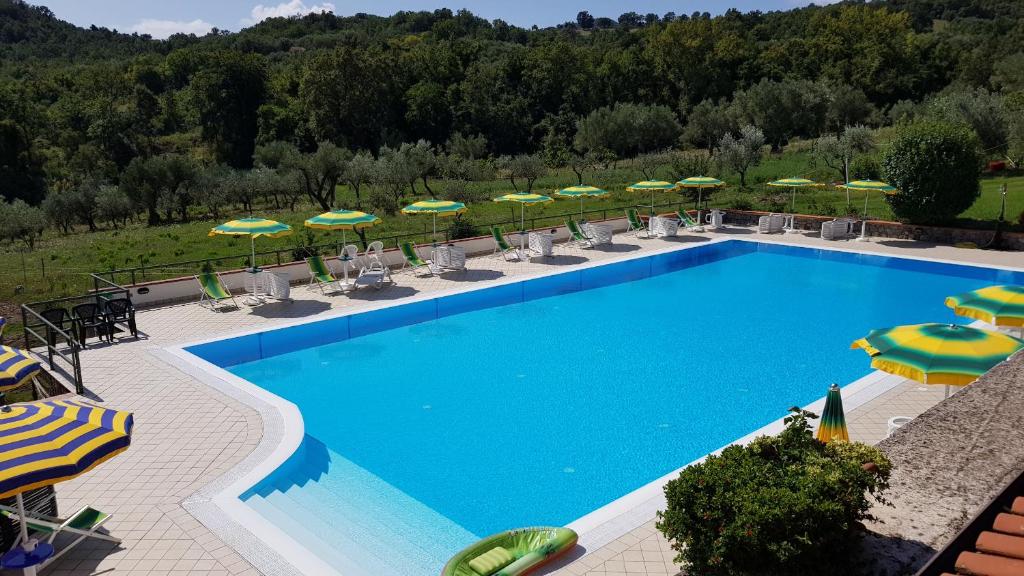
(433, 423)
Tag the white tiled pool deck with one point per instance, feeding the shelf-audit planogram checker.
(189, 434)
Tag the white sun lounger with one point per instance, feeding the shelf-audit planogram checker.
(771, 224)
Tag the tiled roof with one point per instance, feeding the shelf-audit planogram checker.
(992, 544)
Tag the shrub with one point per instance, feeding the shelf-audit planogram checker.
(935, 166)
(785, 504)
(741, 204)
(462, 228)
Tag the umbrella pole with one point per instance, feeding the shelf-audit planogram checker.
(700, 221)
(864, 229)
(522, 230)
(581, 208)
(254, 298)
(27, 545)
(947, 392)
(344, 260)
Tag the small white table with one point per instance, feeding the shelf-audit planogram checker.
(253, 283)
(542, 243)
(450, 257)
(345, 261)
(661, 226)
(598, 233)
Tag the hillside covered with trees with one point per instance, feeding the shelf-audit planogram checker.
(97, 127)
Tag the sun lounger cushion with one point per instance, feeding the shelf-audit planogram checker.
(491, 561)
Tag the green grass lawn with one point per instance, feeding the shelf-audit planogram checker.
(60, 264)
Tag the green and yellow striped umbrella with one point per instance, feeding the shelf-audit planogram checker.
(524, 198)
(833, 420)
(253, 228)
(652, 186)
(16, 368)
(581, 192)
(435, 208)
(700, 182)
(342, 220)
(997, 305)
(869, 186)
(937, 353)
(793, 184)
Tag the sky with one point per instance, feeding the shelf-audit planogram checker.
(161, 18)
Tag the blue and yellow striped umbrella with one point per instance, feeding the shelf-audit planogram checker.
(43, 443)
(997, 305)
(16, 368)
(581, 192)
(254, 227)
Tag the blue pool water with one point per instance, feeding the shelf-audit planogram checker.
(431, 424)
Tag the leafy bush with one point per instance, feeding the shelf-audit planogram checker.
(785, 504)
(462, 228)
(741, 204)
(935, 166)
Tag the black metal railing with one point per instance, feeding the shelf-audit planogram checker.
(132, 276)
(62, 359)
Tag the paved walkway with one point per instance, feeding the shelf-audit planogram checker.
(188, 434)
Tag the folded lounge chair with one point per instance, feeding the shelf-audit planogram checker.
(502, 246)
(413, 261)
(320, 274)
(838, 229)
(771, 223)
(84, 524)
(576, 234)
(213, 291)
(636, 225)
(374, 274)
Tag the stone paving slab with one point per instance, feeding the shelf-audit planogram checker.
(188, 434)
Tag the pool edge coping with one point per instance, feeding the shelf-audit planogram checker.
(274, 552)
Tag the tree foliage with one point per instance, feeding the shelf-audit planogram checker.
(935, 166)
(741, 152)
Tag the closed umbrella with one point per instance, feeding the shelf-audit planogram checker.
(700, 183)
(581, 192)
(524, 198)
(867, 186)
(833, 419)
(997, 305)
(343, 220)
(253, 228)
(43, 443)
(652, 186)
(947, 354)
(16, 368)
(435, 208)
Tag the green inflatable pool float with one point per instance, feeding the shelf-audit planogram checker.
(513, 553)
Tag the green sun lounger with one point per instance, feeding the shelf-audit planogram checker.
(636, 225)
(685, 220)
(576, 235)
(320, 275)
(512, 553)
(413, 261)
(213, 292)
(83, 524)
(501, 245)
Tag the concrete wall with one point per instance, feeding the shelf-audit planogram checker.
(186, 288)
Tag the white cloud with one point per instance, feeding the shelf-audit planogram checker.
(164, 28)
(284, 9)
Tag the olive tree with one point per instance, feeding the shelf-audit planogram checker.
(741, 152)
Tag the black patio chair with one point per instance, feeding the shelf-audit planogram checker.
(90, 316)
(59, 318)
(121, 310)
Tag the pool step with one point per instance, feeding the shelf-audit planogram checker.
(381, 528)
(302, 529)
